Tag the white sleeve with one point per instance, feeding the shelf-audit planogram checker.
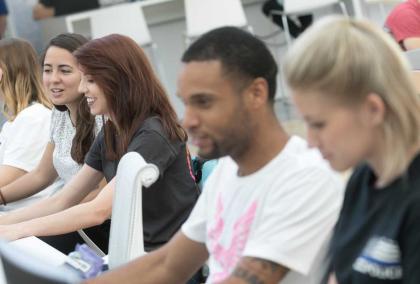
(195, 226)
(30, 135)
(294, 226)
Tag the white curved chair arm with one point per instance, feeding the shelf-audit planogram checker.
(126, 239)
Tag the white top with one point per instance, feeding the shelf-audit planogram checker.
(23, 142)
(284, 212)
(61, 135)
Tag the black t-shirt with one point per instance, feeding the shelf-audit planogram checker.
(64, 7)
(168, 202)
(377, 237)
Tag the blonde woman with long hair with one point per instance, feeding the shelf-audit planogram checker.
(353, 88)
(25, 134)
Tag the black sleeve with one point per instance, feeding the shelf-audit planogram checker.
(47, 3)
(410, 244)
(154, 148)
(65, 7)
(94, 156)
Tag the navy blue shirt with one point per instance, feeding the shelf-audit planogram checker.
(377, 236)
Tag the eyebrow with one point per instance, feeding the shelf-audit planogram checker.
(198, 95)
(59, 66)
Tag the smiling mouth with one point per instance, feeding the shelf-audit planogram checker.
(56, 91)
(90, 101)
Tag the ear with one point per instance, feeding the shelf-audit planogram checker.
(375, 109)
(257, 93)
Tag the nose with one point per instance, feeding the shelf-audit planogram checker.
(54, 76)
(82, 87)
(191, 119)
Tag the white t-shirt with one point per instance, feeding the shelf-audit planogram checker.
(22, 144)
(284, 212)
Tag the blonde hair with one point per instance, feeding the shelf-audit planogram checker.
(348, 59)
(21, 83)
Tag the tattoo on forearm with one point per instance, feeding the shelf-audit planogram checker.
(247, 276)
(257, 271)
(266, 264)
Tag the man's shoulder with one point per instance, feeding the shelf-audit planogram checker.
(298, 157)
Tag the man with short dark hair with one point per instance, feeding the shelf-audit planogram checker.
(268, 207)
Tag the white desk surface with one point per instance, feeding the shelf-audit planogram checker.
(40, 250)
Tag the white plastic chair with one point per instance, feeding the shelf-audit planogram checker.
(205, 15)
(126, 238)
(413, 57)
(297, 7)
(382, 4)
(131, 22)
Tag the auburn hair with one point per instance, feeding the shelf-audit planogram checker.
(132, 90)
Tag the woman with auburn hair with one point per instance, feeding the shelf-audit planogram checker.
(362, 111)
(72, 132)
(25, 134)
(118, 82)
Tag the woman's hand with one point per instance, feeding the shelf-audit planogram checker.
(11, 232)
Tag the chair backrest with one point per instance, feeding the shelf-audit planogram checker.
(413, 57)
(130, 22)
(416, 78)
(126, 239)
(298, 6)
(383, 1)
(205, 15)
(19, 267)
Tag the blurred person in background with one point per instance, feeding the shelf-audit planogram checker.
(404, 24)
(51, 8)
(3, 18)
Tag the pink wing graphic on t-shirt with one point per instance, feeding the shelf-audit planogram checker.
(217, 230)
(228, 257)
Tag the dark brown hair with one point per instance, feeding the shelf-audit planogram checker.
(132, 91)
(85, 122)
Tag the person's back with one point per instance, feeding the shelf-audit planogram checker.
(51, 8)
(404, 24)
